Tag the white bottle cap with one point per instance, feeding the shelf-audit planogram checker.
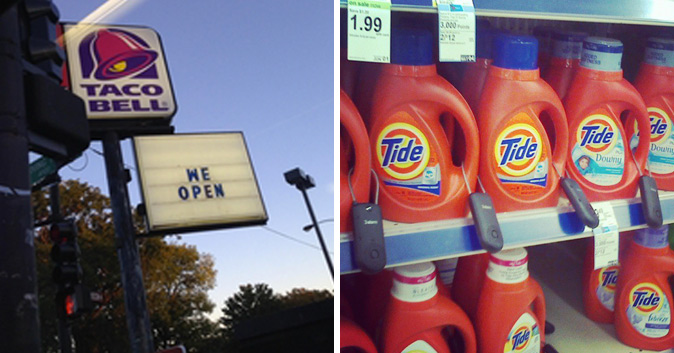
(567, 44)
(660, 52)
(414, 283)
(508, 266)
(604, 54)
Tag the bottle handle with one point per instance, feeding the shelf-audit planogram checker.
(457, 107)
(465, 327)
(559, 122)
(359, 138)
(539, 308)
(640, 114)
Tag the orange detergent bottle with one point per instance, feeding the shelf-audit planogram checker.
(516, 160)
(655, 82)
(446, 270)
(565, 59)
(356, 134)
(416, 314)
(599, 285)
(353, 339)
(643, 311)
(410, 148)
(544, 36)
(511, 312)
(599, 157)
(468, 279)
(475, 73)
(377, 289)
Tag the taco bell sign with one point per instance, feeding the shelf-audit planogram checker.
(119, 71)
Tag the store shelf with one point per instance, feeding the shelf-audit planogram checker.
(410, 243)
(557, 268)
(653, 12)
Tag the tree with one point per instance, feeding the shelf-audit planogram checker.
(176, 277)
(250, 301)
(301, 296)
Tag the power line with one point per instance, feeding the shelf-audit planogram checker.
(293, 239)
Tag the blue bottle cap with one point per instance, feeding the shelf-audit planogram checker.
(411, 46)
(567, 44)
(604, 54)
(516, 52)
(659, 52)
(652, 238)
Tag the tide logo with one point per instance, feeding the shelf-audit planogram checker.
(608, 277)
(520, 338)
(661, 128)
(646, 298)
(402, 151)
(518, 149)
(597, 134)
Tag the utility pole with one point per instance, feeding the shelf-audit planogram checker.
(137, 317)
(19, 323)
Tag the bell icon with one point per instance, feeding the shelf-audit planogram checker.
(118, 54)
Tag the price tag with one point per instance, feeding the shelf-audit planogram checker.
(456, 28)
(606, 238)
(369, 30)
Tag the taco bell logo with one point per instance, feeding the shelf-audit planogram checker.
(108, 54)
(119, 71)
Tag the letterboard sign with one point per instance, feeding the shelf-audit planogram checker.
(193, 182)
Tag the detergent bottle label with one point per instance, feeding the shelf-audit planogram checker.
(520, 158)
(661, 154)
(419, 346)
(607, 279)
(524, 337)
(598, 152)
(411, 170)
(648, 310)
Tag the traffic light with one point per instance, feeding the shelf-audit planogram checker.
(72, 298)
(39, 41)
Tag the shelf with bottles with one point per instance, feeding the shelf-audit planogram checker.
(660, 12)
(428, 241)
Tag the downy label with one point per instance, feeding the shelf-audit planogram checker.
(598, 152)
(648, 310)
(419, 346)
(608, 277)
(411, 170)
(661, 152)
(524, 337)
(520, 158)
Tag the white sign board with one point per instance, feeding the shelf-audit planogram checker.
(198, 181)
(119, 71)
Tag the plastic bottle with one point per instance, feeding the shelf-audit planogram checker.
(475, 73)
(469, 276)
(565, 59)
(599, 157)
(416, 314)
(516, 157)
(544, 36)
(643, 308)
(410, 149)
(655, 82)
(353, 339)
(377, 289)
(446, 270)
(511, 312)
(356, 134)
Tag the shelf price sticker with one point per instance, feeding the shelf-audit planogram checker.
(606, 238)
(456, 29)
(369, 30)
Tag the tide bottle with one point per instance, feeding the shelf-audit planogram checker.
(643, 309)
(599, 157)
(543, 35)
(416, 314)
(469, 276)
(599, 286)
(511, 312)
(475, 73)
(410, 149)
(352, 339)
(516, 159)
(565, 59)
(354, 153)
(655, 82)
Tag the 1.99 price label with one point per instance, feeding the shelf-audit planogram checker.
(369, 30)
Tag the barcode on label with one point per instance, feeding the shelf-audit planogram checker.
(467, 57)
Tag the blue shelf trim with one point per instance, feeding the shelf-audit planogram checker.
(646, 11)
(519, 229)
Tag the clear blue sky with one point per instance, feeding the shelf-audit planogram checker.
(264, 68)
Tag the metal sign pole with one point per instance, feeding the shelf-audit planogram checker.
(19, 323)
(137, 316)
(328, 260)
